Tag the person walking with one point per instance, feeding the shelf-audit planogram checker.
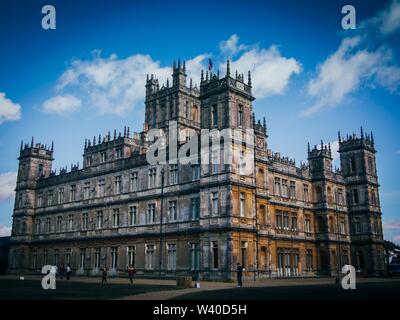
(68, 271)
(61, 271)
(131, 273)
(104, 275)
(239, 274)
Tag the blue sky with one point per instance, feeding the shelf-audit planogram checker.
(311, 78)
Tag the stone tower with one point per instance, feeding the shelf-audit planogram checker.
(35, 162)
(357, 158)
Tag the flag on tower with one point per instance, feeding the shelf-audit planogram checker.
(210, 64)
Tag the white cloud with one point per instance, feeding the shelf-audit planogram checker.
(270, 70)
(9, 111)
(5, 231)
(394, 224)
(366, 59)
(7, 185)
(231, 46)
(335, 153)
(61, 104)
(117, 86)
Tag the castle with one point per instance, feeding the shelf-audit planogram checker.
(281, 220)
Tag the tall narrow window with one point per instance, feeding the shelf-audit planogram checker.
(40, 199)
(131, 255)
(151, 209)
(114, 258)
(214, 115)
(195, 172)
(85, 219)
(134, 182)
(356, 200)
(286, 220)
(307, 223)
(101, 185)
(115, 217)
(152, 177)
(244, 253)
(294, 221)
(278, 219)
(173, 211)
(97, 258)
(133, 219)
(60, 195)
(173, 174)
(214, 201)
(214, 248)
(59, 224)
(195, 205)
(72, 193)
(171, 258)
(86, 190)
(117, 184)
(306, 194)
(119, 153)
(70, 222)
(277, 185)
(149, 257)
(240, 116)
(352, 164)
(82, 261)
(103, 157)
(68, 255)
(242, 204)
(292, 191)
(99, 218)
(195, 256)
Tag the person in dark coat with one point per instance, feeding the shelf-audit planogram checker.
(239, 273)
(131, 273)
(104, 275)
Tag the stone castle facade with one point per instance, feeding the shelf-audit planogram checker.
(198, 219)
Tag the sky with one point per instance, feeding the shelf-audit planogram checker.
(311, 77)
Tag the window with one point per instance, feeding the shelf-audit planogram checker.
(352, 164)
(37, 226)
(152, 177)
(151, 213)
(68, 255)
(172, 211)
(195, 172)
(214, 201)
(195, 256)
(131, 255)
(82, 258)
(40, 199)
(370, 166)
(286, 220)
(294, 221)
(244, 253)
(72, 193)
(309, 260)
(88, 161)
(97, 258)
(187, 110)
(134, 182)
(133, 218)
(277, 185)
(61, 195)
(114, 258)
(70, 222)
(240, 116)
(214, 248)
(171, 257)
(242, 204)
(278, 219)
(149, 257)
(48, 225)
(103, 157)
(342, 226)
(284, 188)
(307, 223)
(214, 115)
(195, 205)
(99, 219)
(115, 217)
(85, 219)
(306, 194)
(118, 153)
(292, 191)
(59, 224)
(117, 185)
(215, 160)
(355, 196)
(86, 190)
(242, 162)
(340, 196)
(102, 185)
(40, 170)
(357, 224)
(173, 174)
(20, 200)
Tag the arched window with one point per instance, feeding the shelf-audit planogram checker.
(262, 215)
(260, 178)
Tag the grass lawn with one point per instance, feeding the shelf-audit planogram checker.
(11, 289)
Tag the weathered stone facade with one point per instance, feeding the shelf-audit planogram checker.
(280, 220)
